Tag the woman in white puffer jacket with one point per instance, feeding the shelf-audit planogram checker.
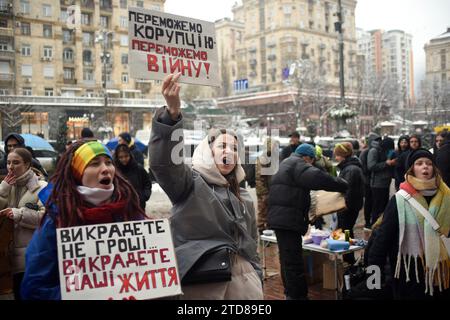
(19, 202)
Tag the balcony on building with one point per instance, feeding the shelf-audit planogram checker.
(106, 6)
(87, 4)
(7, 55)
(66, 2)
(252, 62)
(6, 32)
(6, 78)
(6, 8)
(70, 81)
(271, 57)
(252, 74)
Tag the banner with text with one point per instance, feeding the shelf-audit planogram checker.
(126, 261)
(162, 43)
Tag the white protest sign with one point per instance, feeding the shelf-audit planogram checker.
(162, 43)
(126, 261)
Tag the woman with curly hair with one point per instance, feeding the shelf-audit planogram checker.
(85, 190)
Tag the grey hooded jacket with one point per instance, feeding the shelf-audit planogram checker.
(204, 216)
(380, 173)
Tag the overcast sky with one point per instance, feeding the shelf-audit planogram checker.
(423, 19)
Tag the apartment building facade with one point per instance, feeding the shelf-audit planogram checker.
(389, 57)
(267, 37)
(65, 68)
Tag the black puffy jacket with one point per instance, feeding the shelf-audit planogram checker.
(443, 162)
(351, 171)
(289, 193)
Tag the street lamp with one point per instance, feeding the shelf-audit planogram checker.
(102, 37)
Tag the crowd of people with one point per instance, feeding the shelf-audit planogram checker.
(213, 216)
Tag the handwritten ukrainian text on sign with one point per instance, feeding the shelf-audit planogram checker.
(162, 43)
(129, 260)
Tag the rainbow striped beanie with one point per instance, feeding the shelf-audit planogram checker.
(84, 154)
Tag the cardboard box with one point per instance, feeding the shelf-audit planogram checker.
(313, 262)
(329, 274)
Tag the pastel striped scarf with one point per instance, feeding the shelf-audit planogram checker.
(85, 154)
(417, 239)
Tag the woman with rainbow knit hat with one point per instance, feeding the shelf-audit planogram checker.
(415, 245)
(84, 190)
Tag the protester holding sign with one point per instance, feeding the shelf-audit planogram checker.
(212, 216)
(84, 190)
(19, 202)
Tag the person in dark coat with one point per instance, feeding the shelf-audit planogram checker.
(415, 142)
(15, 140)
(293, 144)
(289, 203)
(402, 147)
(87, 134)
(134, 173)
(381, 174)
(443, 160)
(351, 171)
(418, 259)
(125, 138)
(367, 190)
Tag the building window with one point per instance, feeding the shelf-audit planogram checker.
(47, 10)
(123, 4)
(47, 30)
(124, 40)
(63, 15)
(155, 7)
(25, 28)
(25, 7)
(48, 92)
(140, 3)
(123, 22)
(124, 77)
(26, 91)
(27, 70)
(87, 56)
(67, 36)
(88, 39)
(85, 19)
(3, 46)
(89, 93)
(49, 71)
(68, 54)
(4, 92)
(104, 22)
(48, 52)
(68, 73)
(88, 75)
(124, 58)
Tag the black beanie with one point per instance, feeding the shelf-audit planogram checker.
(419, 153)
(125, 136)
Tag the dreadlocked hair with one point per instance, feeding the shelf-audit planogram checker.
(231, 177)
(69, 201)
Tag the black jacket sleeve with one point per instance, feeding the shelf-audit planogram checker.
(146, 184)
(387, 235)
(315, 179)
(443, 162)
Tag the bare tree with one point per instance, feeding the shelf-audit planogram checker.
(12, 116)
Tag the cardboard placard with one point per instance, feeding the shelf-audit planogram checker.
(128, 260)
(162, 43)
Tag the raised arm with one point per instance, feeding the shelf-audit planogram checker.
(166, 145)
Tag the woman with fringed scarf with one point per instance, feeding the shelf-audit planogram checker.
(210, 213)
(419, 261)
(85, 190)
